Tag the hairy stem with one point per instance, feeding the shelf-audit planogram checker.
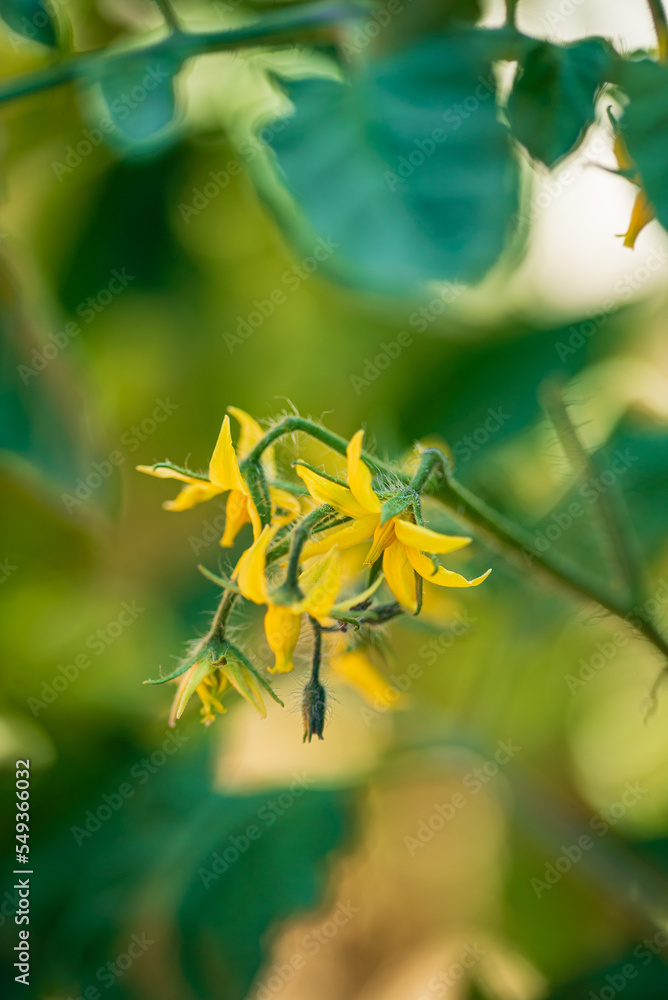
(660, 26)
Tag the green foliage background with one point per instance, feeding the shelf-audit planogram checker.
(208, 238)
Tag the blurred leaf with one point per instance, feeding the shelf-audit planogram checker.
(645, 128)
(554, 100)
(140, 97)
(180, 868)
(30, 19)
(406, 167)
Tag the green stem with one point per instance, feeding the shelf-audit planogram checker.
(279, 26)
(518, 543)
(660, 26)
(609, 507)
(289, 425)
(221, 617)
(299, 537)
(169, 15)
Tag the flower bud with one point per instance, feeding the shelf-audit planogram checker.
(314, 708)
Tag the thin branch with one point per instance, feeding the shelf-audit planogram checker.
(169, 14)
(660, 26)
(278, 27)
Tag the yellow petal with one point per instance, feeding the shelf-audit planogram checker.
(224, 468)
(237, 514)
(350, 602)
(400, 576)
(428, 569)
(187, 683)
(251, 434)
(242, 679)
(285, 500)
(191, 495)
(426, 540)
(642, 213)
(320, 584)
(162, 472)
(250, 570)
(359, 476)
(357, 670)
(282, 627)
(341, 538)
(382, 537)
(325, 491)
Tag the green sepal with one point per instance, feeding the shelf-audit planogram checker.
(179, 468)
(233, 651)
(259, 491)
(396, 505)
(221, 581)
(212, 652)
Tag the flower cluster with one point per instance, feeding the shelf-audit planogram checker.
(324, 551)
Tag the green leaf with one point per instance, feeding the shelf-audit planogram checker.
(553, 102)
(140, 98)
(404, 172)
(644, 128)
(30, 19)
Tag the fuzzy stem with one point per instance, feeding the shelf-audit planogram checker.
(280, 26)
(517, 543)
(288, 425)
(221, 617)
(299, 537)
(660, 26)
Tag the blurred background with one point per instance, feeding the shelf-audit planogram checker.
(504, 833)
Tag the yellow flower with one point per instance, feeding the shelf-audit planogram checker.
(225, 477)
(642, 212)
(210, 681)
(318, 587)
(356, 668)
(401, 542)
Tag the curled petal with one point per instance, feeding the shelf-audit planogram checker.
(428, 569)
(224, 468)
(426, 540)
(357, 670)
(642, 213)
(250, 570)
(325, 491)
(285, 500)
(191, 495)
(237, 514)
(383, 536)
(282, 627)
(251, 434)
(359, 476)
(167, 472)
(399, 575)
